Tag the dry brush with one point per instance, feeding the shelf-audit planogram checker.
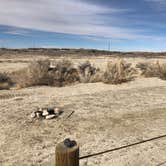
(63, 73)
(5, 81)
(153, 70)
(118, 72)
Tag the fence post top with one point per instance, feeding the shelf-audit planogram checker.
(67, 146)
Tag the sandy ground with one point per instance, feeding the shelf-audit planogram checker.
(12, 64)
(106, 116)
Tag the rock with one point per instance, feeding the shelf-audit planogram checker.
(40, 110)
(38, 114)
(45, 113)
(57, 111)
(50, 116)
(50, 110)
(33, 115)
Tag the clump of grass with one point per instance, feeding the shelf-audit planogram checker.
(118, 72)
(153, 70)
(163, 71)
(142, 66)
(41, 73)
(5, 81)
(35, 74)
(97, 77)
(64, 73)
(88, 73)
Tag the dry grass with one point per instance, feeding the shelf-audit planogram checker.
(5, 81)
(35, 74)
(89, 73)
(40, 73)
(153, 70)
(60, 74)
(118, 72)
(163, 71)
(64, 73)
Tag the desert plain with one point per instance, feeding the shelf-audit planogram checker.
(105, 116)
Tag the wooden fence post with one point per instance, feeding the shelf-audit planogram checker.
(67, 153)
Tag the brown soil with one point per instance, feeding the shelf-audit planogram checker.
(106, 116)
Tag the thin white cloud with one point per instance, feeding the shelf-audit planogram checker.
(64, 16)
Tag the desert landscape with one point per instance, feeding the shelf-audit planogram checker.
(115, 99)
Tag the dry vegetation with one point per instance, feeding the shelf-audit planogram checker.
(55, 52)
(5, 81)
(153, 70)
(35, 74)
(64, 73)
(40, 73)
(119, 72)
(89, 73)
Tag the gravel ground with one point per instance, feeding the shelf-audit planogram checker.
(106, 116)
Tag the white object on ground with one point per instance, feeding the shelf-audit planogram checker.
(33, 115)
(57, 111)
(50, 116)
(45, 113)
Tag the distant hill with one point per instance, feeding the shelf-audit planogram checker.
(78, 52)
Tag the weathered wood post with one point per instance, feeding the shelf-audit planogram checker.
(67, 153)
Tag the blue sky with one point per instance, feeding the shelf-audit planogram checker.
(130, 25)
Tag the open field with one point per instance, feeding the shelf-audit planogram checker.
(13, 60)
(106, 116)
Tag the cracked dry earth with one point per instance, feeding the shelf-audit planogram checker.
(106, 116)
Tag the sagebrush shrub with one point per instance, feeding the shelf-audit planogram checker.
(64, 73)
(5, 81)
(35, 74)
(118, 72)
(153, 70)
(88, 73)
